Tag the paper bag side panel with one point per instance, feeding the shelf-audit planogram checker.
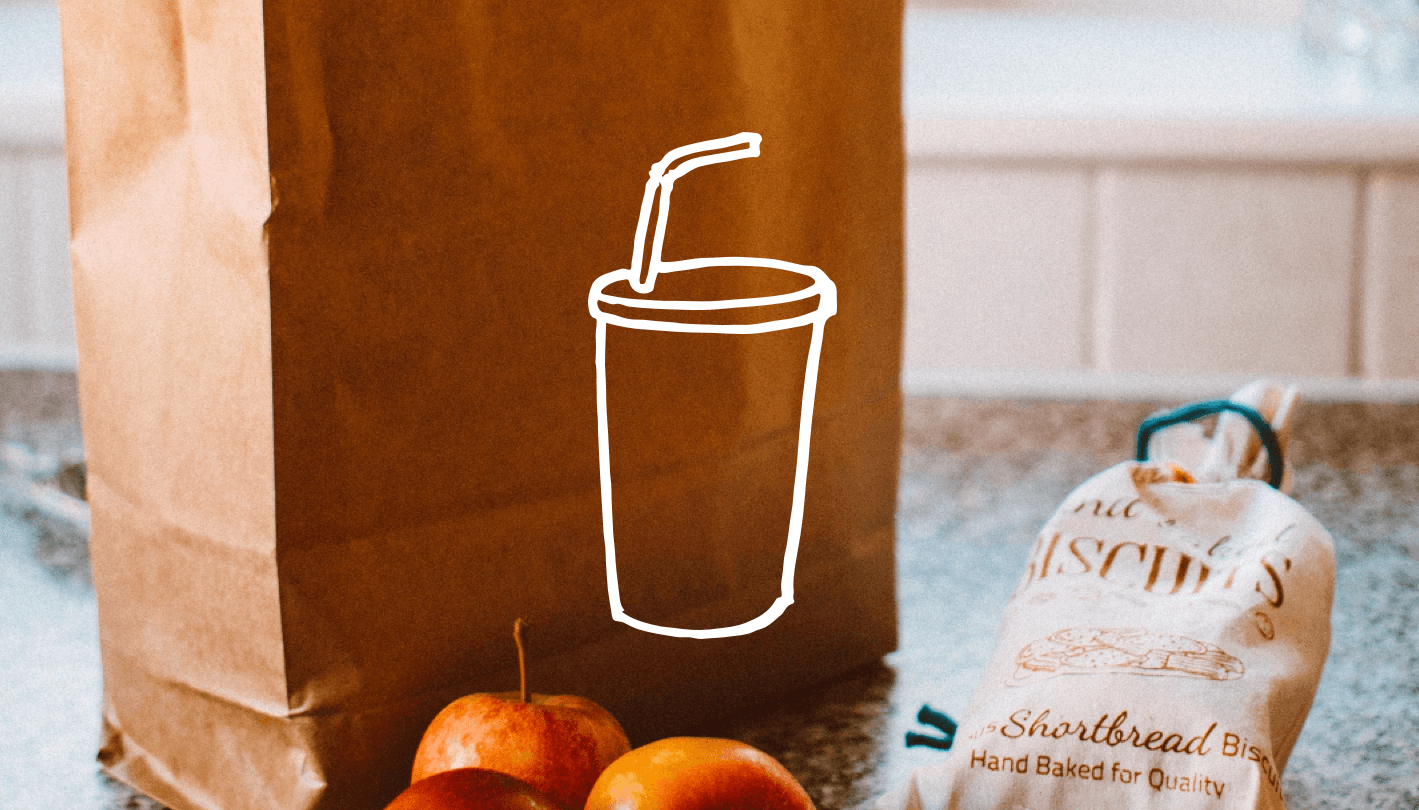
(169, 196)
(231, 757)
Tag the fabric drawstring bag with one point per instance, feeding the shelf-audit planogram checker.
(1165, 642)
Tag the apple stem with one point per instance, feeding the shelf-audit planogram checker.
(521, 659)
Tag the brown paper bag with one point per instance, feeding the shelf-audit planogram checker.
(331, 264)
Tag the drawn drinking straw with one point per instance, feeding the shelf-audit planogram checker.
(641, 276)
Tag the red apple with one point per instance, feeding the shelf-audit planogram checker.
(471, 789)
(697, 773)
(558, 744)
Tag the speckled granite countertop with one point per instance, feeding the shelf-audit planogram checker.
(978, 480)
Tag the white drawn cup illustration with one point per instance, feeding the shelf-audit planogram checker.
(699, 316)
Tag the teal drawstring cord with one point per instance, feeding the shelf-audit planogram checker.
(1197, 410)
(931, 717)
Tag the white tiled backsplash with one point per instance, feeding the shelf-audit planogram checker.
(1298, 272)
(1139, 208)
(1101, 207)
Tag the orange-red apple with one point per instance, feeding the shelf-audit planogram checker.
(697, 773)
(559, 744)
(471, 789)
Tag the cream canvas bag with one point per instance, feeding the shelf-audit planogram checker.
(1165, 642)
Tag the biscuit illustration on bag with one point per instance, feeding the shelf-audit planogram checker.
(1128, 650)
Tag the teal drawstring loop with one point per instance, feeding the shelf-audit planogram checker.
(1197, 410)
(942, 723)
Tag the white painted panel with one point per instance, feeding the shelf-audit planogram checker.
(1128, 132)
(1391, 281)
(48, 237)
(1226, 271)
(995, 259)
(1161, 387)
(14, 265)
(1271, 11)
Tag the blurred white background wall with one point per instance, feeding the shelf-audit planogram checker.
(36, 317)
(1127, 199)
(1104, 198)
